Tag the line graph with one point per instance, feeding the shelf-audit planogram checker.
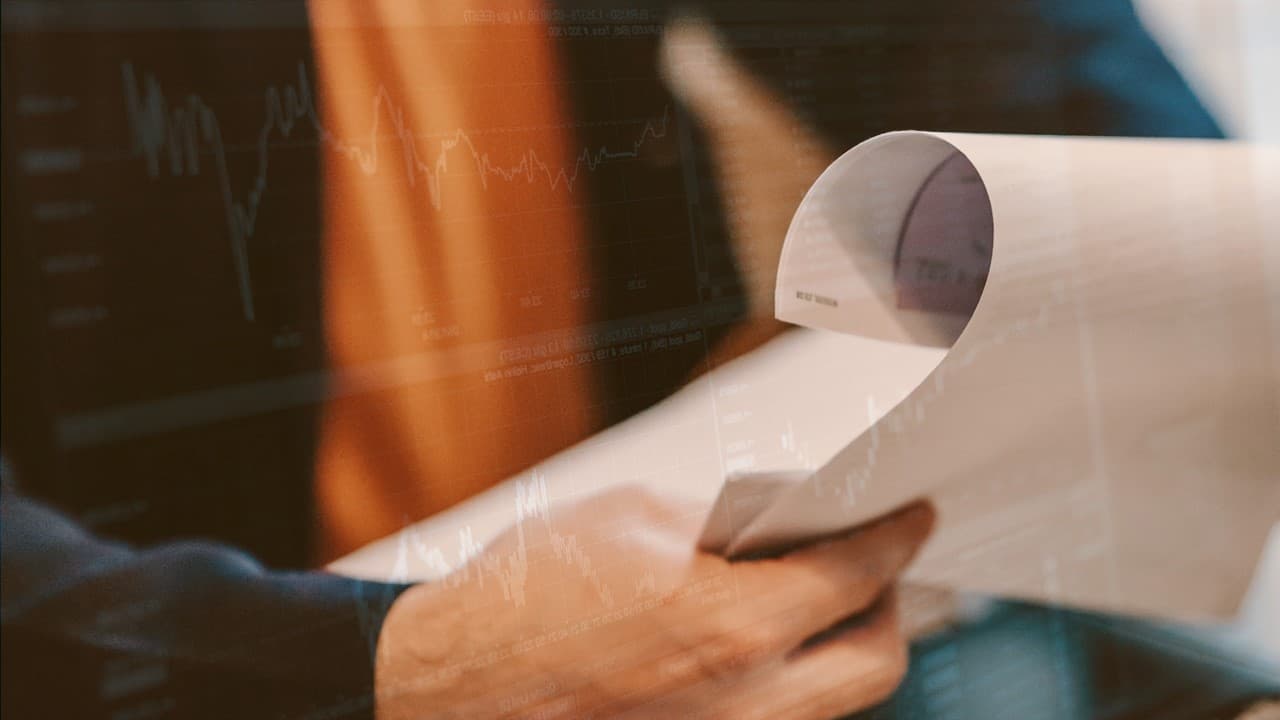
(180, 132)
(510, 569)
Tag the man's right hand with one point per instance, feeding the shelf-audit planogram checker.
(607, 608)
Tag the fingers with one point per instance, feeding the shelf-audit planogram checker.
(883, 546)
(851, 669)
(810, 589)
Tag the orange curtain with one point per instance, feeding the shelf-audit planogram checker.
(449, 225)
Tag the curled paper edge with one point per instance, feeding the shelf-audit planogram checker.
(1102, 431)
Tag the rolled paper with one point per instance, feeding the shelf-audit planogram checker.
(1103, 429)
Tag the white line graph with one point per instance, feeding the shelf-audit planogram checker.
(510, 570)
(181, 131)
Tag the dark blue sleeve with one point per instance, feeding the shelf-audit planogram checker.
(98, 629)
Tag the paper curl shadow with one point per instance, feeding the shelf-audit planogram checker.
(893, 242)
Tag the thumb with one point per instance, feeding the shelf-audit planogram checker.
(765, 156)
(699, 69)
(727, 98)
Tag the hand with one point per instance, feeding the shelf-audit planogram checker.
(606, 608)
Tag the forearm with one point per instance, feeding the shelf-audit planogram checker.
(92, 628)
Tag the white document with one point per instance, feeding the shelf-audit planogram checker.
(775, 409)
(1103, 429)
(1104, 432)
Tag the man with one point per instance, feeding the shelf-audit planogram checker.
(170, 382)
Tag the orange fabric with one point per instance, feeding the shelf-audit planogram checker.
(449, 224)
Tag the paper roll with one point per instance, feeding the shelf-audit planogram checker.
(1104, 430)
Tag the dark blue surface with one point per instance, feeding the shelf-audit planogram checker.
(1027, 662)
